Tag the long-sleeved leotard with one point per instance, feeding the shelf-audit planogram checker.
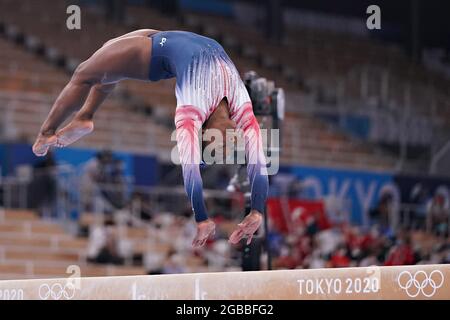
(188, 126)
(205, 75)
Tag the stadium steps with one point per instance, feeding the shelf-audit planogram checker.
(138, 137)
(55, 269)
(34, 248)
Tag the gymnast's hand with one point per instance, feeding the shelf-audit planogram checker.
(43, 143)
(247, 227)
(205, 230)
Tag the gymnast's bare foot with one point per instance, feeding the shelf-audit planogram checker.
(43, 143)
(74, 131)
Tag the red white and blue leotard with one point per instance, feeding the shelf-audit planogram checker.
(204, 76)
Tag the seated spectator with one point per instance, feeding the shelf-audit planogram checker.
(402, 253)
(315, 261)
(285, 260)
(103, 247)
(436, 255)
(219, 256)
(302, 247)
(438, 214)
(359, 242)
(174, 263)
(340, 258)
(154, 262)
(327, 241)
(370, 260)
(140, 206)
(103, 182)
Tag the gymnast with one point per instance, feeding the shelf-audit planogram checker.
(209, 93)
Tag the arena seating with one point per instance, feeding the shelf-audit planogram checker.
(144, 239)
(22, 71)
(315, 145)
(31, 247)
(28, 88)
(338, 65)
(34, 248)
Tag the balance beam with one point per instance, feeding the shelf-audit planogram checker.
(402, 282)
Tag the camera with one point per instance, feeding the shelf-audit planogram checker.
(267, 100)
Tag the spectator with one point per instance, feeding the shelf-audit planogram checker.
(436, 255)
(219, 255)
(340, 259)
(103, 183)
(328, 240)
(438, 214)
(370, 260)
(315, 261)
(141, 207)
(174, 263)
(285, 260)
(103, 245)
(401, 253)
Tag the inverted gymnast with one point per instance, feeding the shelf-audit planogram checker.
(209, 91)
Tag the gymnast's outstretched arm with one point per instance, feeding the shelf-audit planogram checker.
(126, 58)
(187, 128)
(256, 170)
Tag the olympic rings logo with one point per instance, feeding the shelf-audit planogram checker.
(420, 282)
(57, 291)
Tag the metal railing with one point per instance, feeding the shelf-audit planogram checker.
(68, 204)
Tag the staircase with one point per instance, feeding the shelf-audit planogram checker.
(33, 248)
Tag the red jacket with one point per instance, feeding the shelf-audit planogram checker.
(400, 255)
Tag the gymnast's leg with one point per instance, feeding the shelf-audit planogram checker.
(92, 81)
